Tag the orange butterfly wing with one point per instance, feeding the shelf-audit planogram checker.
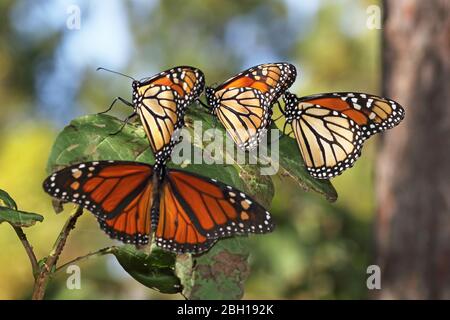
(133, 224)
(119, 193)
(272, 79)
(219, 210)
(195, 211)
(185, 80)
(176, 231)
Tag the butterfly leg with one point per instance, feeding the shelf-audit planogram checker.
(125, 122)
(114, 101)
(283, 112)
(211, 110)
(284, 129)
(203, 104)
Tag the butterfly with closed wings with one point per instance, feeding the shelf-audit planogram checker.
(243, 103)
(331, 128)
(160, 101)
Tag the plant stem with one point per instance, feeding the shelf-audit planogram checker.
(50, 262)
(100, 252)
(29, 250)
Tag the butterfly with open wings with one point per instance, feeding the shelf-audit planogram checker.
(188, 212)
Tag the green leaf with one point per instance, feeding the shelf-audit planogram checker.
(16, 218)
(292, 165)
(155, 270)
(89, 138)
(219, 274)
(19, 218)
(7, 200)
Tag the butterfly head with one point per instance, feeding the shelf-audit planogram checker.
(135, 84)
(136, 96)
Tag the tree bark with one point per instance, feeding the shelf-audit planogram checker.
(413, 166)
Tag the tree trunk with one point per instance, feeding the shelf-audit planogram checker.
(413, 167)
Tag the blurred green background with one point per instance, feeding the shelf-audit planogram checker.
(47, 77)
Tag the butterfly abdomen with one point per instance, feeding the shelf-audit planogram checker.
(157, 180)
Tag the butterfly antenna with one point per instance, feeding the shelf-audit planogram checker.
(116, 72)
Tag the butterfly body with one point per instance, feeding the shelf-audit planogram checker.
(331, 128)
(244, 102)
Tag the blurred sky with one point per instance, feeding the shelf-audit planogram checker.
(106, 39)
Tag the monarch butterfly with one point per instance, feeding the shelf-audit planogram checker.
(330, 128)
(161, 101)
(130, 199)
(243, 103)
